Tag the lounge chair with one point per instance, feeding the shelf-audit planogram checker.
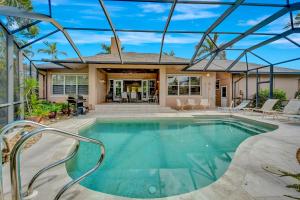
(292, 109)
(180, 105)
(204, 103)
(267, 108)
(225, 109)
(242, 105)
(191, 103)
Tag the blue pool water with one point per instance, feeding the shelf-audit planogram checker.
(159, 158)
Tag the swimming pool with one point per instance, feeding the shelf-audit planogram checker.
(160, 157)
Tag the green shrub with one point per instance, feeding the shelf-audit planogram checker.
(297, 94)
(263, 96)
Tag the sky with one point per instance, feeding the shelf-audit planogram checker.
(153, 16)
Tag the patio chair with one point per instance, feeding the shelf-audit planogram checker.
(204, 103)
(180, 105)
(124, 97)
(292, 109)
(191, 103)
(133, 96)
(239, 107)
(267, 108)
(225, 109)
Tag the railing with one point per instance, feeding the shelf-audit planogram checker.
(15, 158)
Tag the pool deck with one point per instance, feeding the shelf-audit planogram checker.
(244, 179)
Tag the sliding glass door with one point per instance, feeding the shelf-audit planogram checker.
(118, 89)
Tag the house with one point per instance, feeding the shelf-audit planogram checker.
(166, 81)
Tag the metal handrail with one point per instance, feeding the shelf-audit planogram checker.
(15, 160)
(42, 171)
(4, 131)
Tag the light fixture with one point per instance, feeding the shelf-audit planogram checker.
(208, 74)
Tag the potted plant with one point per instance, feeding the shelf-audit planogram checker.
(37, 113)
(34, 109)
(53, 110)
(64, 109)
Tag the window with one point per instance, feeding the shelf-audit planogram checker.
(83, 85)
(184, 85)
(58, 84)
(217, 84)
(69, 84)
(3, 69)
(224, 91)
(16, 74)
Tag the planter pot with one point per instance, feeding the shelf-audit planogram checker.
(37, 119)
(52, 115)
(66, 111)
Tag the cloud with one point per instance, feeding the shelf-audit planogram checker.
(194, 15)
(154, 8)
(251, 22)
(190, 12)
(87, 37)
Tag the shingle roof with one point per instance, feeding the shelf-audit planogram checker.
(132, 57)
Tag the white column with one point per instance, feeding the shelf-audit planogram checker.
(162, 86)
(92, 86)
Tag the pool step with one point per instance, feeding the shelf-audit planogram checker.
(120, 108)
(238, 124)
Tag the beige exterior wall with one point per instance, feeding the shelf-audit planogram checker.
(207, 87)
(99, 83)
(289, 83)
(48, 79)
(225, 80)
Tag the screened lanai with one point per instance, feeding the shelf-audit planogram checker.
(264, 32)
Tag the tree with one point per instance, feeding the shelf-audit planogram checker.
(51, 49)
(171, 53)
(209, 46)
(296, 22)
(107, 48)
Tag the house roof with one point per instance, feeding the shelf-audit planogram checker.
(143, 58)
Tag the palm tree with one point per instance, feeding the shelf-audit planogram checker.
(171, 53)
(209, 46)
(51, 49)
(296, 22)
(107, 48)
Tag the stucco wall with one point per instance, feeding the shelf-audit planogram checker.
(48, 77)
(207, 89)
(98, 82)
(289, 83)
(225, 80)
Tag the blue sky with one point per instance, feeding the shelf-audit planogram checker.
(152, 16)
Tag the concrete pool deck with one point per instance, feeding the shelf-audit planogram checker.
(244, 179)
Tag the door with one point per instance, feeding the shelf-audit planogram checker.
(224, 96)
(145, 90)
(118, 89)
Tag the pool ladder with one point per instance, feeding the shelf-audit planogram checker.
(16, 185)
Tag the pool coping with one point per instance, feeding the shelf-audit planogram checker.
(244, 178)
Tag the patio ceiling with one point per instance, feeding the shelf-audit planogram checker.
(225, 24)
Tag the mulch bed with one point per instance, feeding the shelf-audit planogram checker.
(12, 141)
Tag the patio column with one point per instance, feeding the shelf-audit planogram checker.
(92, 86)
(162, 86)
